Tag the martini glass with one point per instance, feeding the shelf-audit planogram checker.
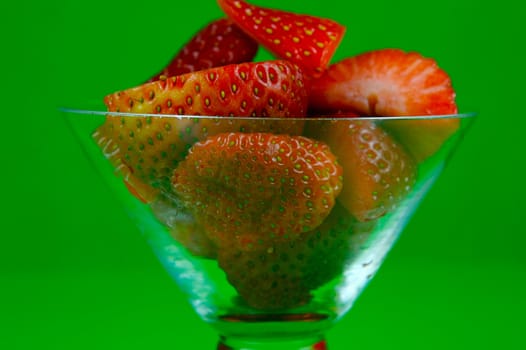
(278, 294)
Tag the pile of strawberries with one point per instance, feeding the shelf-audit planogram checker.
(279, 200)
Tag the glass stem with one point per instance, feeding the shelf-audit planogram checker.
(231, 343)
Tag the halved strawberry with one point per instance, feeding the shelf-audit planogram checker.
(308, 41)
(281, 275)
(391, 82)
(377, 172)
(249, 189)
(150, 147)
(386, 82)
(220, 43)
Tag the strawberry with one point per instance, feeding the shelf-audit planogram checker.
(182, 227)
(251, 188)
(308, 41)
(143, 192)
(387, 83)
(140, 190)
(150, 147)
(279, 275)
(220, 43)
(378, 173)
(321, 345)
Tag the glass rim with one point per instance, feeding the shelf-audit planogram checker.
(88, 112)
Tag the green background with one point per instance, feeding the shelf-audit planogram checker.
(75, 273)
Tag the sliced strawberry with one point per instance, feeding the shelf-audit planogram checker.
(308, 41)
(262, 89)
(220, 43)
(150, 147)
(387, 83)
(248, 189)
(378, 173)
(282, 275)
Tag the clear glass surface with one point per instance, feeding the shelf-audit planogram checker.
(291, 287)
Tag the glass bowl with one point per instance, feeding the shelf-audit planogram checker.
(271, 226)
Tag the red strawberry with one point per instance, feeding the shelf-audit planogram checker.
(279, 275)
(321, 345)
(387, 83)
(308, 41)
(220, 43)
(248, 189)
(378, 173)
(150, 147)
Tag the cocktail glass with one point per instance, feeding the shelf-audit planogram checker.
(336, 260)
